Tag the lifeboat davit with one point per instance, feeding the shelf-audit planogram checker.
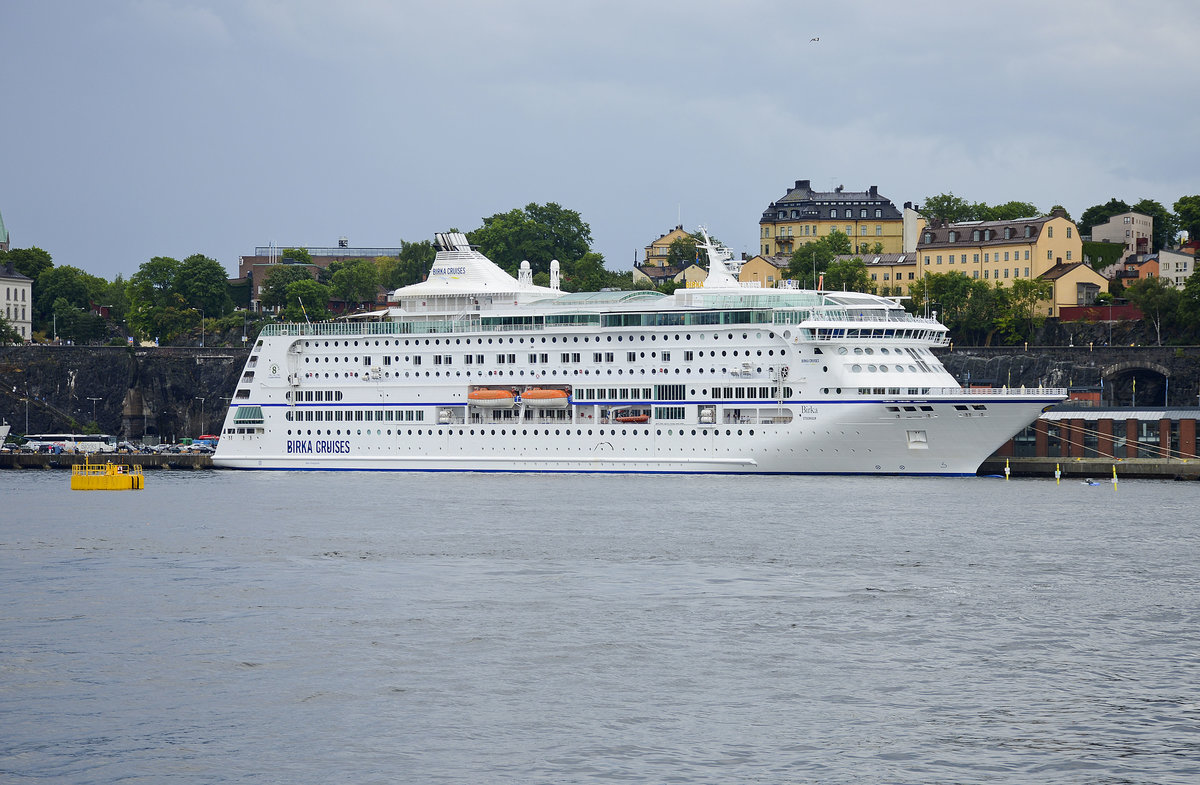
(546, 399)
(491, 398)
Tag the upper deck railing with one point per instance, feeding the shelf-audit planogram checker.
(483, 322)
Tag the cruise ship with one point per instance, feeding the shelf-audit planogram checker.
(475, 370)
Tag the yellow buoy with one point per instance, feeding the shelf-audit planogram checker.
(89, 476)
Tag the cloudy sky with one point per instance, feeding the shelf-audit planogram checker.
(140, 128)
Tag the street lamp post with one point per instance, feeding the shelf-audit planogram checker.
(93, 400)
(200, 398)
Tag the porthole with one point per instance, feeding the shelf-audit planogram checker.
(858, 350)
(856, 368)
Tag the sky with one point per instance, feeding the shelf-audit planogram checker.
(131, 129)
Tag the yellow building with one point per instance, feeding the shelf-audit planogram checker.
(1074, 284)
(766, 270)
(804, 215)
(892, 274)
(654, 267)
(1045, 247)
(1000, 250)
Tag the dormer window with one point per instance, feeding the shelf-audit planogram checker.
(929, 237)
(953, 236)
(849, 213)
(1008, 233)
(975, 235)
(833, 213)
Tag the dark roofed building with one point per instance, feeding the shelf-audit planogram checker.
(803, 215)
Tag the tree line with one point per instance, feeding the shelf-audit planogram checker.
(173, 301)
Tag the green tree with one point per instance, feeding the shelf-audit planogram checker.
(277, 280)
(75, 324)
(847, 275)
(682, 252)
(8, 333)
(156, 310)
(948, 207)
(1024, 296)
(1187, 210)
(306, 300)
(356, 283)
(1009, 211)
(1159, 302)
(537, 233)
(409, 267)
(1098, 214)
(116, 297)
(813, 258)
(204, 285)
(30, 262)
(972, 309)
(67, 283)
(295, 256)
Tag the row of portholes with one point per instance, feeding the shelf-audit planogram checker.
(505, 432)
(553, 339)
(856, 368)
(653, 355)
(534, 374)
(868, 350)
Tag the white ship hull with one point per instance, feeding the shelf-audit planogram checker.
(718, 380)
(858, 438)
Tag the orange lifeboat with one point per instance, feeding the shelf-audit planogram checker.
(491, 398)
(546, 399)
(633, 418)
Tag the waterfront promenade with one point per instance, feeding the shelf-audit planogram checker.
(67, 460)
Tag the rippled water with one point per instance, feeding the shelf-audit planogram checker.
(366, 628)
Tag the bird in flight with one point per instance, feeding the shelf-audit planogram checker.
(811, 40)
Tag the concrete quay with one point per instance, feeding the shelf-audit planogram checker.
(1096, 468)
(67, 460)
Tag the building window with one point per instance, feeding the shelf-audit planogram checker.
(975, 235)
(849, 214)
(1050, 231)
(879, 213)
(929, 237)
(1068, 256)
(975, 258)
(878, 230)
(833, 213)
(939, 258)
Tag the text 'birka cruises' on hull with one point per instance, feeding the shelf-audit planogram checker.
(474, 370)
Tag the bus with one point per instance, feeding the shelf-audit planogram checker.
(71, 442)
